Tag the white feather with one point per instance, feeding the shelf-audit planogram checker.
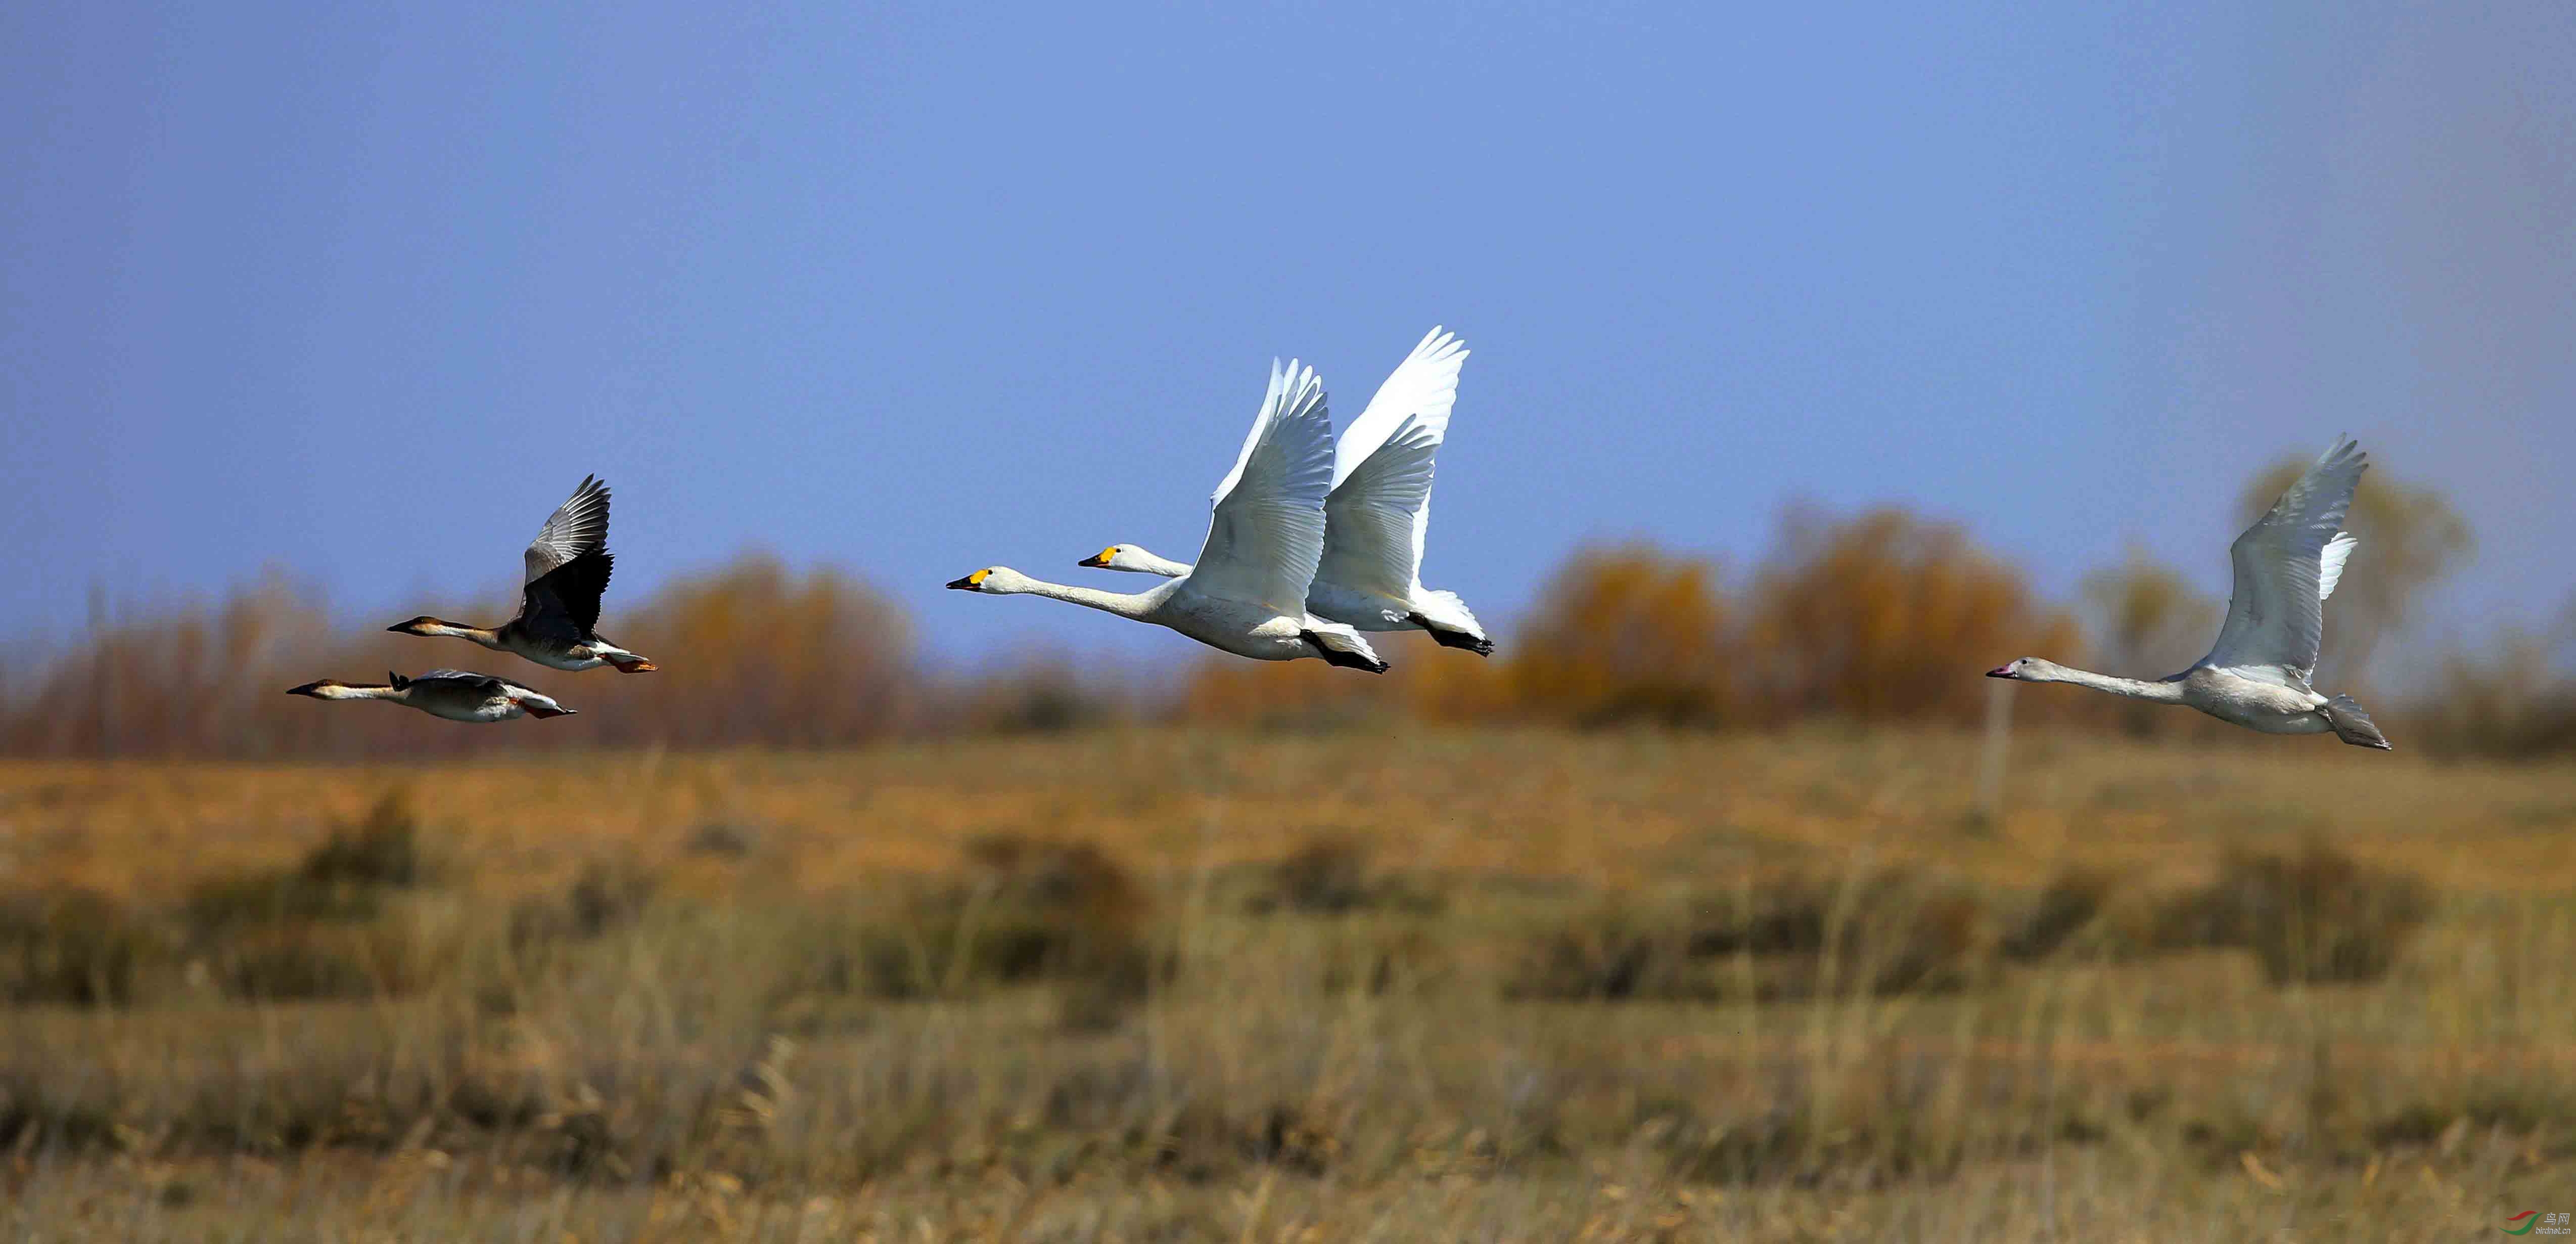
(2286, 564)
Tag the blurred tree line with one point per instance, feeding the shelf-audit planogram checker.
(1885, 616)
(774, 658)
(1877, 617)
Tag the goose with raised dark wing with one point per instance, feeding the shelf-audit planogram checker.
(567, 568)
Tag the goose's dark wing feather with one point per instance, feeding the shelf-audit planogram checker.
(579, 526)
(570, 591)
(463, 677)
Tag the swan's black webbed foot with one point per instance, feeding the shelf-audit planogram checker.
(1477, 644)
(1340, 659)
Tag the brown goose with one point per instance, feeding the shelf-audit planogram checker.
(453, 694)
(567, 571)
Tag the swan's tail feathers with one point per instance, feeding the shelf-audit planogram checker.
(1451, 622)
(1343, 647)
(2352, 725)
(1448, 638)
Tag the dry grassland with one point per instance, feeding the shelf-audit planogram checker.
(1168, 985)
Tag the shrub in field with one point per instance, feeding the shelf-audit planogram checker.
(344, 877)
(1802, 935)
(2313, 915)
(224, 904)
(2318, 915)
(1610, 954)
(72, 945)
(1327, 873)
(335, 924)
(1031, 908)
(606, 894)
(2071, 901)
(1023, 911)
(296, 962)
(1865, 928)
(1330, 874)
(723, 839)
(382, 849)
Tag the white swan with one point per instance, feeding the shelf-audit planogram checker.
(1247, 593)
(1379, 510)
(2256, 676)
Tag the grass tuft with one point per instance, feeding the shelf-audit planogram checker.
(73, 946)
(382, 849)
(1864, 930)
(2069, 903)
(2311, 916)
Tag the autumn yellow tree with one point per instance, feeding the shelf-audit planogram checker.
(764, 655)
(1626, 634)
(1887, 617)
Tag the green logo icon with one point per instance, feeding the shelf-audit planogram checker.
(2528, 1218)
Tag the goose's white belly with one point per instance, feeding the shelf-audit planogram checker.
(2254, 703)
(497, 709)
(584, 656)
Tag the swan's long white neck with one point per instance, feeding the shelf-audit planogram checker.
(1135, 558)
(2134, 688)
(1153, 564)
(1124, 604)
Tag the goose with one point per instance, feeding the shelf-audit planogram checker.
(567, 570)
(1265, 533)
(453, 694)
(1370, 576)
(2256, 676)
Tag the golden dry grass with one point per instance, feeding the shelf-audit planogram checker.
(703, 1066)
(1612, 809)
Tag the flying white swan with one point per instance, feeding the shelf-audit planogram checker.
(1379, 510)
(1247, 594)
(2256, 676)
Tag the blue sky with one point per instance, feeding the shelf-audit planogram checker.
(915, 290)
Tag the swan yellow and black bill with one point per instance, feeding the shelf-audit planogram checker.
(974, 580)
(1100, 558)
